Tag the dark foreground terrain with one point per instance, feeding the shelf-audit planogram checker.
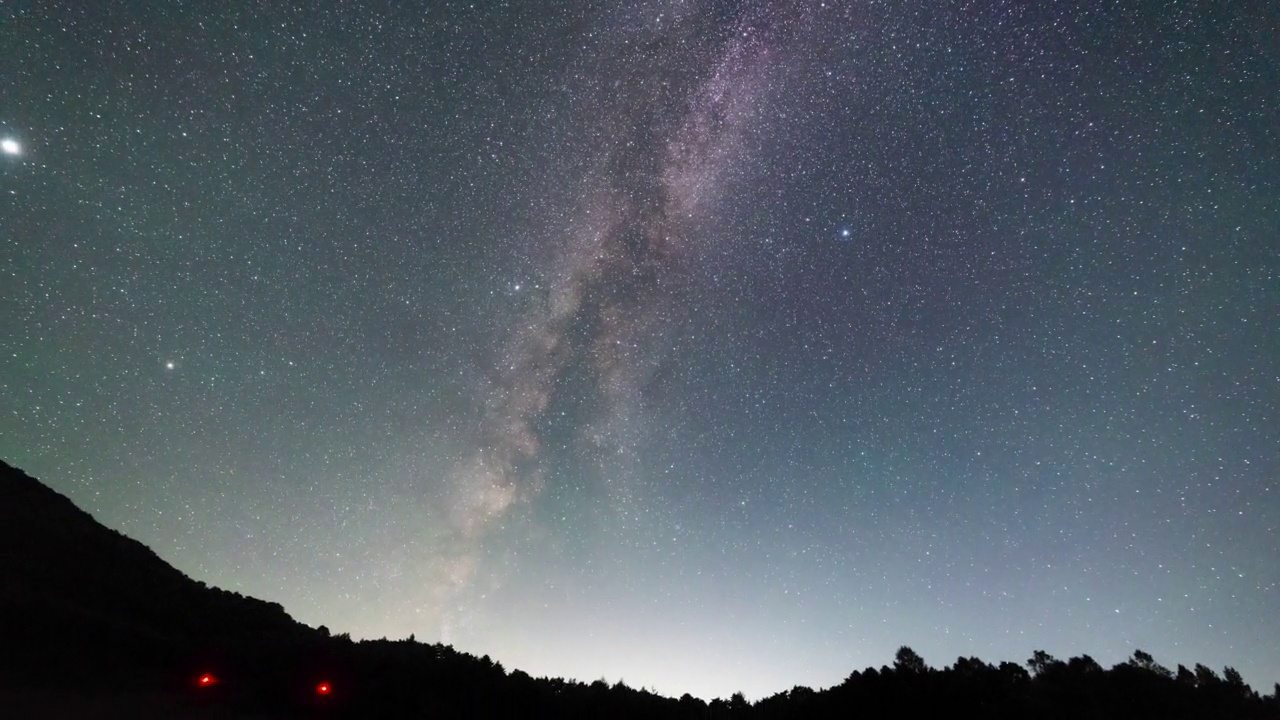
(95, 625)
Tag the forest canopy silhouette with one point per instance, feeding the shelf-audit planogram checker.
(96, 625)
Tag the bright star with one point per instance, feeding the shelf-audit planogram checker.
(169, 365)
(10, 146)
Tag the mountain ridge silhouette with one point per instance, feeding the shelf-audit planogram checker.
(94, 624)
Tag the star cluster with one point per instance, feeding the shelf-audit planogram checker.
(710, 346)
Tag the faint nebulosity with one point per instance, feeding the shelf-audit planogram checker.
(710, 346)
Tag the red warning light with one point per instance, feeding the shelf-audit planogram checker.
(323, 689)
(206, 680)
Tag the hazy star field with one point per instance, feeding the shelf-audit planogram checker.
(706, 345)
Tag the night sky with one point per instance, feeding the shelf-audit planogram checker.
(706, 345)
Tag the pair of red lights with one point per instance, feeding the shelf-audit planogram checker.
(209, 680)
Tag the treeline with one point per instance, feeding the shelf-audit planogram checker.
(406, 679)
(94, 624)
(1046, 688)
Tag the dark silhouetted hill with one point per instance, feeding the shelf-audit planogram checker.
(86, 610)
(95, 625)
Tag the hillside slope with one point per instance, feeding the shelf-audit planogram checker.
(94, 625)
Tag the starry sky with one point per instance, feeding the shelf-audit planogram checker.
(708, 345)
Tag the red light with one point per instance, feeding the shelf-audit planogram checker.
(206, 680)
(323, 689)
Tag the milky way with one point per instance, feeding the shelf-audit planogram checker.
(654, 172)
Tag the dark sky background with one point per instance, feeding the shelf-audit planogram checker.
(706, 345)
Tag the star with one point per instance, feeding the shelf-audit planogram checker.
(10, 146)
(170, 365)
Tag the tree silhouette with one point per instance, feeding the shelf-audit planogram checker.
(1144, 661)
(1206, 677)
(1042, 662)
(908, 661)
